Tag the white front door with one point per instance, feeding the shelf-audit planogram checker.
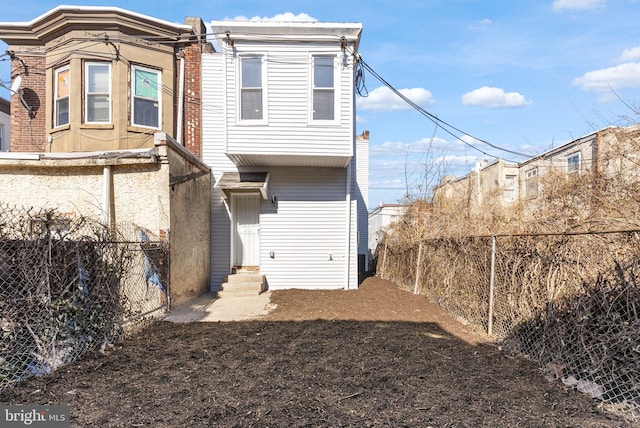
(246, 242)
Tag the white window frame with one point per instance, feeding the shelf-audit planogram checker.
(313, 88)
(57, 99)
(134, 97)
(574, 167)
(263, 81)
(88, 94)
(2, 143)
(510, 188)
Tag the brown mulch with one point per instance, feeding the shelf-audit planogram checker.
(374, 357)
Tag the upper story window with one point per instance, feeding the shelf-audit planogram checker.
(97, 93)
(531, 183)
(573, 163)
(252, 97)
(61, 97)
(2, 143)
(323, 91)
(145, 97)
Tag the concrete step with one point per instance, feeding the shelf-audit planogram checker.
(243, 283)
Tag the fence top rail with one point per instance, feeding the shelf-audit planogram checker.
(517, 235)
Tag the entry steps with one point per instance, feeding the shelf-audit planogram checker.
(243, 283)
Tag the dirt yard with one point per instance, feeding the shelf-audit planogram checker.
(375, 357)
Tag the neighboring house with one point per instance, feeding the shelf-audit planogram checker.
(380, 218)
(487, 185)
(5, 125)
(279, 135)
(611, 150)
(102, 92)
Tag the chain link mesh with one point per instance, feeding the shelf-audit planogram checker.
(69, 285)
(570, 302)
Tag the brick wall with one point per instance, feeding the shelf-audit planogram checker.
(192, 136)
(28, 134)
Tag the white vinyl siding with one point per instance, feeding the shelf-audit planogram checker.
(305, 230)
(361, 195)
(287, 105)
(97, 92)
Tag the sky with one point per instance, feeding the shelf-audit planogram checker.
(490, 79)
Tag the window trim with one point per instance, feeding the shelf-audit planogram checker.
(133, 96)
(2, 142)
(85, 93)
(263, 80)
(336, 89)
(57, 99)
(511, 194)
(571, 169)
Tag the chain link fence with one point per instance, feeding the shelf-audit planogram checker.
(571, 302)
(69, 285)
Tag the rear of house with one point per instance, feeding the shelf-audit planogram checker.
(279, 135)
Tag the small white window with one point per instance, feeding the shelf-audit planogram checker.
(97, 87)
(2, 143)
(61, 97)
(252, 99)
(510, 188)
(573, 163)
(146, 106)
(324, 94)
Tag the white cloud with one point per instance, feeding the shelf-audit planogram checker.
(383, 99)
(560, 5)
(494, 98)
(621, 76)
(482, 25)
(631, 54)
(281, 17)
(396, 148)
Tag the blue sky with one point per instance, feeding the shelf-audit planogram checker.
(521, 75)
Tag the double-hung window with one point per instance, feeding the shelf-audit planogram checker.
(2, 147)
(323, 91)
(61, 97)
(251, 89)
(97, 92)
(146, 106)
(573, 163)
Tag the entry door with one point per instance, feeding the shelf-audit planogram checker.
(246, 245)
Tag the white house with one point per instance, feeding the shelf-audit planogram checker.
(279, 134)
(380, 218)
(5, 125)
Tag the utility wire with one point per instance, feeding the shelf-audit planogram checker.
(445, 126)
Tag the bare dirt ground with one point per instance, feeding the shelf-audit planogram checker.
(375, 357)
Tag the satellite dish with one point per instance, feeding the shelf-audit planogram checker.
(15, 86)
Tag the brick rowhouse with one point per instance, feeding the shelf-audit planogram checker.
(28, 132)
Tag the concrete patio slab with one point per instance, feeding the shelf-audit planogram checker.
(222, 307)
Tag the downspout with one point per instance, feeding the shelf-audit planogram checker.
(348, 234)
(179, 130)
(106, 194)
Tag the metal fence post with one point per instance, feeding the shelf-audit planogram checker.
(415, 287)
(384, 260)
(493, 268)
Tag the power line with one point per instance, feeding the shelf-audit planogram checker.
(445, 126)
